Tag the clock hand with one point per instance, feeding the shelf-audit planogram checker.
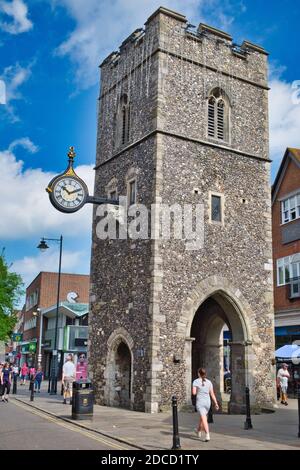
(76, 191)
(63, 187)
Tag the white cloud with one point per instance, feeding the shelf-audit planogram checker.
(29, 266)
(284, 119)
(24, 142)
(25, 209)
(276, 70)
(17, 12)
(14, 77)
(101, 26)
(225, 21)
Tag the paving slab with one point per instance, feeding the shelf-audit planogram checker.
(272, 431)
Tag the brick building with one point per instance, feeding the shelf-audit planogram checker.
(286, 248)
(184, 119)
(42, 294)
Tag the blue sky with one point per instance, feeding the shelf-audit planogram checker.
(50, 51)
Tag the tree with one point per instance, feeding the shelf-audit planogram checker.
(11, 289)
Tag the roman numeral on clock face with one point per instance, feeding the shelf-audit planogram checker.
(68, 193)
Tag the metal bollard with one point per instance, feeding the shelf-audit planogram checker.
(299, 410)
(15, 384)
(176, 439)
(210, 418)
(32, 388)
(248, 423)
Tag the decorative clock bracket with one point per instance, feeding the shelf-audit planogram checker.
(68, 193)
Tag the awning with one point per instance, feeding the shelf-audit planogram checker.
(293, 330)
(289, 351)
(73, 310)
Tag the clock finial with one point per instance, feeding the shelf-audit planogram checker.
(71, 154)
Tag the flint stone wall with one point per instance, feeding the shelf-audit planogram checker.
(147, 291)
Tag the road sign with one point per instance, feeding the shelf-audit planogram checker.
(29, 347)
(32, 347)
(17, 337)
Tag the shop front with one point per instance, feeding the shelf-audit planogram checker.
(72, 334)
(290, 355)
(28, 352)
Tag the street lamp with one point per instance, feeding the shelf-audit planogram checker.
(39, 314)
(53, 374)
(43, 245)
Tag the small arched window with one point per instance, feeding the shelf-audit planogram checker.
(123, 122)
(218, 115)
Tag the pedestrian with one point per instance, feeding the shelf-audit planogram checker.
(203, 389)
(5, 381)
(1, 367)
(283, 378)
(38, 380)
(24, 373)
(68, 377)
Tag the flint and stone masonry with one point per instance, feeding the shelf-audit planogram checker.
(157, 309)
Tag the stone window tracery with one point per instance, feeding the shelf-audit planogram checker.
(122, 132)
(218, 115)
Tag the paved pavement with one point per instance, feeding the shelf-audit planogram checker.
(277, 430)
(24, 428)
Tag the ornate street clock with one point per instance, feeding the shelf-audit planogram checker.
(68, 193)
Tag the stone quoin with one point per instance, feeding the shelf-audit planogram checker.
(183, 119)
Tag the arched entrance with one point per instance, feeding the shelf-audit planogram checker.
(216, 313)
(119, 375)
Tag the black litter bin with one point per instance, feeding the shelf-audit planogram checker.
(83, 399)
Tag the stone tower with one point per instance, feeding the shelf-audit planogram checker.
(183, 119)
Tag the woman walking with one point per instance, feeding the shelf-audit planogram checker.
(5, 381)
(32, 372)
(24, 373)
(203, 389)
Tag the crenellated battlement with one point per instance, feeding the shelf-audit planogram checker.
(169, 33)
(183, 31)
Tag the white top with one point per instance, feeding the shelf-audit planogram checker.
(69, 369)
(203, 387)
(283, 376)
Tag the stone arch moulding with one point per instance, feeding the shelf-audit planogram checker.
(209, 89)
(117, 336)
(212, 286)
(232, 301)
(123, 334)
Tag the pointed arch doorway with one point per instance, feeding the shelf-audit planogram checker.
(119, 374)
(216, 314)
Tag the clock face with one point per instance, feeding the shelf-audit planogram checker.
(71, 297)
(68, 193)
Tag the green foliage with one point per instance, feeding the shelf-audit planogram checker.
(11, 289)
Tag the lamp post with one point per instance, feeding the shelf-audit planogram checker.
(53, 374)
(248, 422)
(40, 314)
